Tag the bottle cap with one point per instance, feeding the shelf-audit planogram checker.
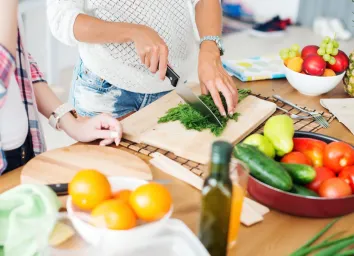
(221, 152)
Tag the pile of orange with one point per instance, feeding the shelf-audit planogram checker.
(90, 190)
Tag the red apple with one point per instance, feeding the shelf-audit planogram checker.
(307, 50)
(342, 62)
(314, 65)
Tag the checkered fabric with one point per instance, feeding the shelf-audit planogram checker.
(26, 72)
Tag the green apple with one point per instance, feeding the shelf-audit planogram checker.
(262, 143)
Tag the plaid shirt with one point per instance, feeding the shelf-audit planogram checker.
(27, 73)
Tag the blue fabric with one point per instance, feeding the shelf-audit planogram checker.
(92, 95)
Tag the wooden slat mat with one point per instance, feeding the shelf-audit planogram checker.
(308, 125)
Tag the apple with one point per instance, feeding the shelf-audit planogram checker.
(342, 62)
(307, 50)
(314, 65)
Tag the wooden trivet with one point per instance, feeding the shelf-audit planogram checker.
(308, 125)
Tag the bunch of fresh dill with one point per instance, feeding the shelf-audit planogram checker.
(193, 120)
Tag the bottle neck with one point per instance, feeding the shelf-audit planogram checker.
(219, 171)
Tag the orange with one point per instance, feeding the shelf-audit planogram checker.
(123, 194)
(329, 72)
(151, 201)
(114, 214)
(295, 64)
(88, 188)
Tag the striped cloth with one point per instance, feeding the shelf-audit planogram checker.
(26, 72)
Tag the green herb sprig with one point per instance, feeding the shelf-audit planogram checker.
(191, 119)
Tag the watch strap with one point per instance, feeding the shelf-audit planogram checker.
(215, 39)
(59, 113)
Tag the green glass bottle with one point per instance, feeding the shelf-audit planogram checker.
(216, 201)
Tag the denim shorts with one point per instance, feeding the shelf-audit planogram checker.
(91, 95)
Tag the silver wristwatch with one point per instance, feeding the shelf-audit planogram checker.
(217, 40)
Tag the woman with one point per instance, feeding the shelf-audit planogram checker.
(24, 92)
(123, 43)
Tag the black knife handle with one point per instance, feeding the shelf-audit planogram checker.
(61, 189)
(172, 76)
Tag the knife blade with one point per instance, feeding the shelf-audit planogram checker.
(189, 97)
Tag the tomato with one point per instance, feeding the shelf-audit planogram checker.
(334, 188)
(347, 174)
(322, 174)
(338, 155)
(296, 158)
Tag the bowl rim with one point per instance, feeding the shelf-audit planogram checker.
(71, 211)
(301, 196)
(322, 77)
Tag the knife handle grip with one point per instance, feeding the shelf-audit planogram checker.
(61, 189)
(172, 76)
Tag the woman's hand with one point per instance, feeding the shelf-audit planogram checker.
(151, 48)
(102, 126)
(213, 78)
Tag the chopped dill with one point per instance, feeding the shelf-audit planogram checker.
(191, 119)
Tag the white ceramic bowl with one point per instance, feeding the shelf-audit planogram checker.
(120, 238)
(312, 85)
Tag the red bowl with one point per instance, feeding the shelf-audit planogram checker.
(293, 204)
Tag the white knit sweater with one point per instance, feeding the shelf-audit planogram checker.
(119, 64)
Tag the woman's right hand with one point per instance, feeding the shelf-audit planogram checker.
(152, 49)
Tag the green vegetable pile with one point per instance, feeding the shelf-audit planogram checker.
(329, 247)
(191, 119)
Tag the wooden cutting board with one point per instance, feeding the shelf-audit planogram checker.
(60, 165)
(142, 127)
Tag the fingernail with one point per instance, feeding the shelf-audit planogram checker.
(231, 114)
(117, 142)
(223, 113)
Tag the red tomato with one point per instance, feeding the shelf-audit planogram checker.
(334, 188)
(295, 158)
(347, 174)
(338, 155)
(322, 174)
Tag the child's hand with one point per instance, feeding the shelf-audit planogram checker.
(102, 126)
(152, 49)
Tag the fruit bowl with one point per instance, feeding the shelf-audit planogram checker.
(312, 85)
(304, 206)
(97, 236)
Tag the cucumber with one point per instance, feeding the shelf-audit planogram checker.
(263, 168)
(302, 174)
(300, 190)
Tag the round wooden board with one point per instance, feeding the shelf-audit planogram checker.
(60, 165)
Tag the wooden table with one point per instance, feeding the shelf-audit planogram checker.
(279, 234)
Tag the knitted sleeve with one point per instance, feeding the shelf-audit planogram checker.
(61, 16)
(194, 2)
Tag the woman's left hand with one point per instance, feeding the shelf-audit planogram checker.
(214, 79)
(102, 127)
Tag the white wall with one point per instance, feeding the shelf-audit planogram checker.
(265, 9)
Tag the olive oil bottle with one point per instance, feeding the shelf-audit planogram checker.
(216, 201)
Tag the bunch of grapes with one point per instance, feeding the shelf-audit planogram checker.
(328, 49)
(291, 52)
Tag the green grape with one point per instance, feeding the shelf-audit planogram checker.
(332, 61)
(323, 45)
(295, 47)
(284, 51)
(329, 45)
(326, 57)
(326, 39)
(334, 52)
(329, 50)
(292, 54)
(335, 44)
(321, 51)
(284, 56)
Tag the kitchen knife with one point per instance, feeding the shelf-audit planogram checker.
(189, 97)
(61, 189)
